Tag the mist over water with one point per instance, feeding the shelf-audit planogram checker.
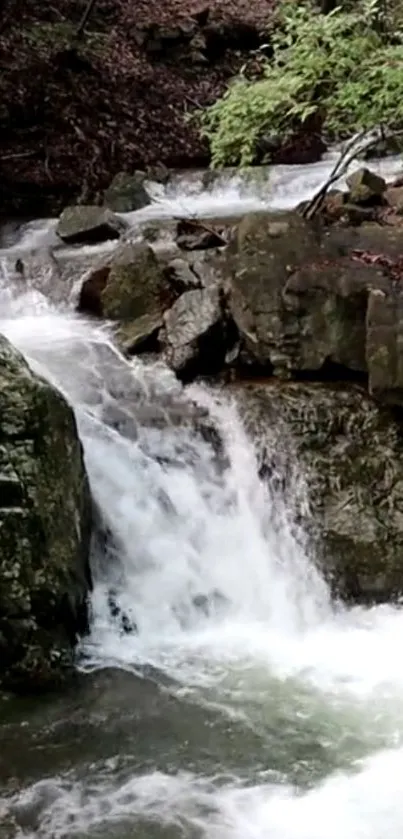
(246, 705)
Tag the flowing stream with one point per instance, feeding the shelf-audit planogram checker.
(246, 705)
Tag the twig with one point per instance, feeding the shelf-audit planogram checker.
(19, 155)
(81, 26)
(338, 170)
(193, 102)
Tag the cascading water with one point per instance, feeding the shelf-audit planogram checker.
(242, 703)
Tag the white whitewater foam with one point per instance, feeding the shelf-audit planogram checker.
(363, 804)
(230, 193)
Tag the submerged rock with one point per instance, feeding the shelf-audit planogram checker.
(350, 452)
(87, 224)
(126, 625)
(45, 522)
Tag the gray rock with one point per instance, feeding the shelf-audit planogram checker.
(350, 453)
(394, 197)
(297, 297)
(130, 284)
(190, 328)
(135, 285)
(365, 185)
(182, 276)
(45, 522)
(88, 224)
(141, 334)
(127, 193)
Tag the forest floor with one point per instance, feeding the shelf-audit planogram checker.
(72, 114)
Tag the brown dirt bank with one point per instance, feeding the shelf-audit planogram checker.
(71, 118)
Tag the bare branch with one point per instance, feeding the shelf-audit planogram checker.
(351, 151)
(81, 26)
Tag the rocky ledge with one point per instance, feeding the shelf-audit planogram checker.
(45, 526)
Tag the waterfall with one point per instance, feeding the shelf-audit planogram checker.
(282, 713)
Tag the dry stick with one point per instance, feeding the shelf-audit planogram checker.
(338, 170)
(81, 26)
(19, 155)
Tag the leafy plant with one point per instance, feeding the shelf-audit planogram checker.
(339, 66)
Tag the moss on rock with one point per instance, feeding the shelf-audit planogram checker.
(45, 522)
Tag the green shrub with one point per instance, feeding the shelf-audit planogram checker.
(340, 65)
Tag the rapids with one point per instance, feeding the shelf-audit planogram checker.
(246, 705)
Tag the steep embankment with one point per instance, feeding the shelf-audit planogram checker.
(71, 118)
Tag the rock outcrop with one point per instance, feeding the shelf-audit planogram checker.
(45, 524)
(296, 299)
(350, 452)
(177, 306)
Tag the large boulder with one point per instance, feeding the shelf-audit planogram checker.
(87, 224)
(45, 523)
(299, 293)
(349, 452)
(261, 257)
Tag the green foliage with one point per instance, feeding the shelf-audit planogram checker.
(339, 66)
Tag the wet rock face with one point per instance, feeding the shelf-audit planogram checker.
(45, 523)
(304, 297)
(350, 452)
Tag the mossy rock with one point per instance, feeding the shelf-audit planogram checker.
(45, 523)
